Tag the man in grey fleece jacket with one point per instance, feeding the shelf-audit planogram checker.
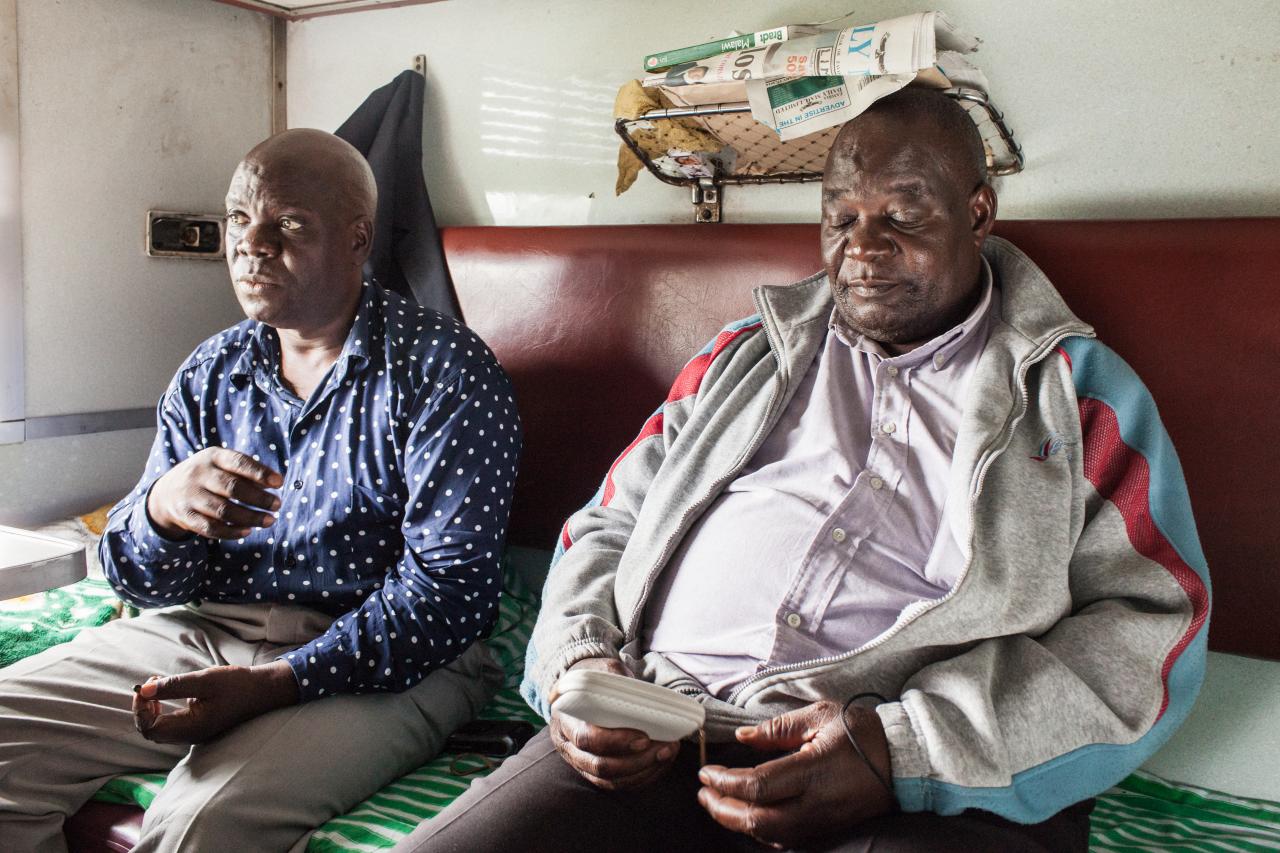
(1065, 641)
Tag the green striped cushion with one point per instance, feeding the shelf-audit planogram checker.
(1144, 812)
(33, 623)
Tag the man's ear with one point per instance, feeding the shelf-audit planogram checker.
(362, 239)
(982, 212)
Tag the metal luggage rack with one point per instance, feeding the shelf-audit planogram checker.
(707, 191)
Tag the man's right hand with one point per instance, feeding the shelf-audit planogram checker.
(612, 759)
(218, 493)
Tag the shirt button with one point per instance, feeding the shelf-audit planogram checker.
(877, 483)
(838, 534)
(297, 484)
(888, 427)
(939, 360)
(891, 370)
(794, 620)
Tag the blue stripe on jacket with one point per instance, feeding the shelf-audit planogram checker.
(1039, 792)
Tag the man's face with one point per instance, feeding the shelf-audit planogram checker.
(289, 248)
(901, 234)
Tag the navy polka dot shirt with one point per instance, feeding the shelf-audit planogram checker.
(398, 474)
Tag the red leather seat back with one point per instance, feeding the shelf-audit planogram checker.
(593, 323)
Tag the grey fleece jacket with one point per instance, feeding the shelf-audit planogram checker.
(1073, 642)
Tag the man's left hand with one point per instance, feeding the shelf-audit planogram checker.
(820, 788)
(218, 698)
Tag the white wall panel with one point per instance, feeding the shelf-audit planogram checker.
(1135, 109)
(53, 478)
(126, 106)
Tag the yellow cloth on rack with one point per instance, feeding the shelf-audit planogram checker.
(634, 101)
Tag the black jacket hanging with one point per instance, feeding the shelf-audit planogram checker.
(407, 256)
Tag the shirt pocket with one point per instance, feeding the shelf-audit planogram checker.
(373, 506)
(365, 541)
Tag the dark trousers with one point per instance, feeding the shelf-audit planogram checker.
(536, 801)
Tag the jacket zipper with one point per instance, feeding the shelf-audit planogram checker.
(990, 454)
(756, 439)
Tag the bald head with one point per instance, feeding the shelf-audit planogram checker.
(921, 115)
(322, 161)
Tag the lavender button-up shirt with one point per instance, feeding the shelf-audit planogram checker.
(836, 525)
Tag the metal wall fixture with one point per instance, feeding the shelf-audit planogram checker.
(184, 235)
(708, 193)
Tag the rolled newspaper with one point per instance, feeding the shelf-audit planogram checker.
(808, 84)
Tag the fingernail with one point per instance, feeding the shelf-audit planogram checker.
(268, 520)
(744, 731)
(664, 753)
(639, 744)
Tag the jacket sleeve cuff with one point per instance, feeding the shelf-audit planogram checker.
(908, 756)
(566, 656)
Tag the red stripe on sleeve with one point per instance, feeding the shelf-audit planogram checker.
(1067, 356)
(687, 383)
(652, 427)
(1121, 475)
(691, 376)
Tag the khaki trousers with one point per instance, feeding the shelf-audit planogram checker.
(66, 727)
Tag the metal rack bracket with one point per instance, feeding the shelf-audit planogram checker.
(706, 201)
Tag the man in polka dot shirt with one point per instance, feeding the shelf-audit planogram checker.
(315, 543)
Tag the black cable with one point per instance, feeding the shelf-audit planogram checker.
(848, 730)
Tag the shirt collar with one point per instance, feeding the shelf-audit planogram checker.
(942, 348)
(262, 345)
